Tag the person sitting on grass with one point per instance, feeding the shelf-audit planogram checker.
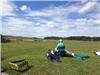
(53, 57)
(60, 47)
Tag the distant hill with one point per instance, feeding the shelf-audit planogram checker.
(18, 37)
(8, 38)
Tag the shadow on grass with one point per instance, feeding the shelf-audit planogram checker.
(16, 71)
(29, 67)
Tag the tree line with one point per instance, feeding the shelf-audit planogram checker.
(83, 38)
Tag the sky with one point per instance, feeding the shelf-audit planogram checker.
(64, 18)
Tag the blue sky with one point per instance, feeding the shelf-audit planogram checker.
(50, 18)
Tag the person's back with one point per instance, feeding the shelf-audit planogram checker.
(60, 46)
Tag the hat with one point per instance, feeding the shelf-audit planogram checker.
(60, 40)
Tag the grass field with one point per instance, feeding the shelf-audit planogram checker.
(35, 53)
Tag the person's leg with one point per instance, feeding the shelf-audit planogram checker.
(63, 53)
(80, 56)
(69, 53)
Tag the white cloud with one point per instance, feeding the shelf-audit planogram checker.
(54, 27)
(50, 24)
(53, 11)
(96, 14)
(55, 23)
(15, 25)
(24, 27)
(83, 1)
(38, 23)
(85, 27)
(25, 8)
(7, 8)
(88, 6)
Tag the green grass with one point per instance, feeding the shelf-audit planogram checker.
(35, 53)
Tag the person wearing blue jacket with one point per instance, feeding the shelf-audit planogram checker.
(60, 47)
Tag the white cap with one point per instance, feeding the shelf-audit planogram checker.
(60, 40)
